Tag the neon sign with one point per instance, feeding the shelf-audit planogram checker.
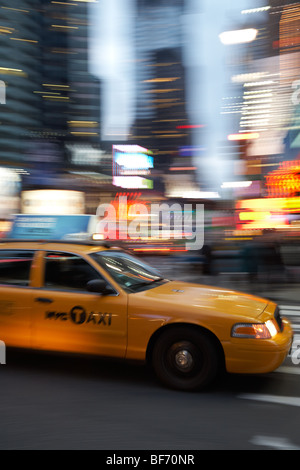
(285, 181)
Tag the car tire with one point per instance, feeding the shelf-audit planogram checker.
(185, 358)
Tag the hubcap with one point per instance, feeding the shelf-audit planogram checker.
(184, 359)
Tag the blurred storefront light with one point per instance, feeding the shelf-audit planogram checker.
(53, 202)
(243, 136)
(201, 195)
(236, 184)
(239, 36)
(132, 182)
(10, 183)
(256, 10)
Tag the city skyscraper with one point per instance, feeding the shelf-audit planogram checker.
(161, 119)
(20, 71)
(51, 98)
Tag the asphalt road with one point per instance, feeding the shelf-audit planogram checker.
(53, 402)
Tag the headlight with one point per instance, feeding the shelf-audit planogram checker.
(254, 330)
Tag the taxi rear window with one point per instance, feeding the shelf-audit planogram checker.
(15, 267)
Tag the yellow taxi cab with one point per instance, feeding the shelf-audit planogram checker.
(93, 298)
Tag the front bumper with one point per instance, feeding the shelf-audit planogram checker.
(256, 356)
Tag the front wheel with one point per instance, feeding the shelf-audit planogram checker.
(185, 358)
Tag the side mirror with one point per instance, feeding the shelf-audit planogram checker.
(99, 286)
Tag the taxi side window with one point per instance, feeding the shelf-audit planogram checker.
(15, 267)
(66, 271)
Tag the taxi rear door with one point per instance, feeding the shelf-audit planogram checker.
(69, 318)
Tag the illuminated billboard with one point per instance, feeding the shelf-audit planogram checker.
(131, 160)
(267, 213)
(130, 163)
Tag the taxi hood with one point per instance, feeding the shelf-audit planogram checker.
(214, 299)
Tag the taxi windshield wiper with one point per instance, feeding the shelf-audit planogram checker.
(149, 283)
(154, 280)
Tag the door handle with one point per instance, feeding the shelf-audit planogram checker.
(43, 299)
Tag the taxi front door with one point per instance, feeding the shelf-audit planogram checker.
(69, 318)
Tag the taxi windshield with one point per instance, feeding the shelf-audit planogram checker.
(129, 272)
